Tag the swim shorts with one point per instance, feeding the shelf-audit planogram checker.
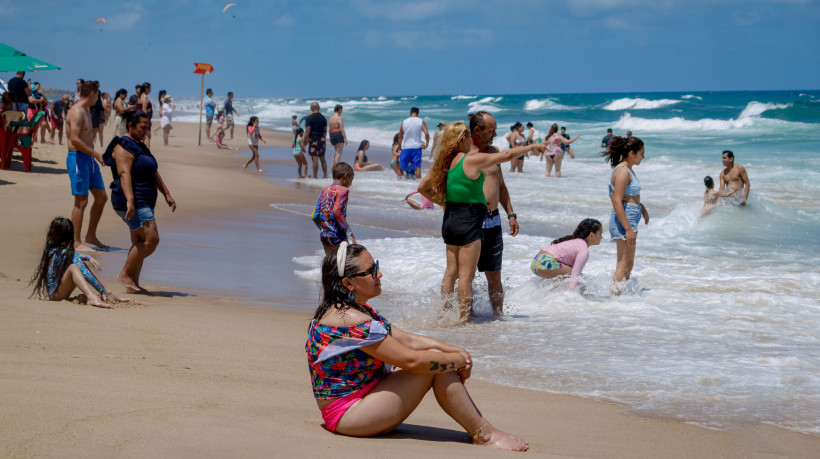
(143, 214)
(209, 119)
(492, 247)
(463, 222)
(521, 158)
(84, 173)
(545, 261)
(336, 137)
(229, 120)
(316, 147)
(633, 215)
(410, 159)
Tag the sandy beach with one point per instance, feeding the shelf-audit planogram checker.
(189, 373)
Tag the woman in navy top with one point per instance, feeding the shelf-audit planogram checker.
(134, 194)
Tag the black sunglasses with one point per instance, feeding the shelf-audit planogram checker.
(373, 271)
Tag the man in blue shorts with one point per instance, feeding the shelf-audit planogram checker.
(411, 145)
(83, 172)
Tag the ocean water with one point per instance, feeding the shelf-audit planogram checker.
(719, 324)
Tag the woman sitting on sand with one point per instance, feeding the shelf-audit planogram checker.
(457, 181)
(61, 269)
(361, 159)
(351, 348)
(134, 194)
(568, 255)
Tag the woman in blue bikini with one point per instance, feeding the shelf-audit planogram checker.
(625, 193)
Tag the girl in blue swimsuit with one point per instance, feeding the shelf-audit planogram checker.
(61, 269)
(625, 193)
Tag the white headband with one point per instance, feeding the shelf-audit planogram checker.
(341, 258)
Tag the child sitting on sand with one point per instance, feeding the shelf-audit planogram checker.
(710, 197)
(330, 212)
(298, 151)
(62, 269)
(219, 144)
(569, 254)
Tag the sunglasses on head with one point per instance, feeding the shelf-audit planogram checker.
(373, 271)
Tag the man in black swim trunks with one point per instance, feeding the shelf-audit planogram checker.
(338, 137)
(315, 133)
(482, 126)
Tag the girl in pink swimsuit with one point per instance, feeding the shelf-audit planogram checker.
(348, 349)
(569, 254)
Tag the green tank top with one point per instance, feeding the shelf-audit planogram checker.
(461, 188)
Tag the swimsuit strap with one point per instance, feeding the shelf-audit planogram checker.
(632, 174)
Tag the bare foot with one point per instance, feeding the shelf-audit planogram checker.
(95, 301)
(82, 248)
(96, 242)
(99, 304)
(259, 171)
(128, 283)
(488, 435)
(116, 298)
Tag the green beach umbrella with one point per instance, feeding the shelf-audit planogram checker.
(12, 60)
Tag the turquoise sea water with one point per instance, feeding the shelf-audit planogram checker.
(719, 327)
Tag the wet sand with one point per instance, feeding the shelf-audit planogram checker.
(199, 370)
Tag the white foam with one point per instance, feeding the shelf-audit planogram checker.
(628, 103)
(754, 108)
(691, 96)
(486, 104)
(750, 116)
(459, 97)
(544, 104)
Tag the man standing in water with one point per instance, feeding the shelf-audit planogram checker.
(338, 137)
(482, 127)
(83, 172)
(410, 143)
(315, 134)
(733, 178)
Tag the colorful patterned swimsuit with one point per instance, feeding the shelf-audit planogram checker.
(53, 279)
(337, 366)
(330, 213)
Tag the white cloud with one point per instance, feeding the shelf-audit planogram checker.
(286, 20)
(125, 20)
(393, 10)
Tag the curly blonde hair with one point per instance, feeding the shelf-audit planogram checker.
(453, 135)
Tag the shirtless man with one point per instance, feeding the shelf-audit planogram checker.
(338, 137)
(482, 126)
(83, 172)
(733, 178)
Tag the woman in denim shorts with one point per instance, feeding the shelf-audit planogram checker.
(134, 194)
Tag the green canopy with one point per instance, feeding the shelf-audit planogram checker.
(12, 60)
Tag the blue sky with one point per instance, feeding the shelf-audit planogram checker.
(368, 47)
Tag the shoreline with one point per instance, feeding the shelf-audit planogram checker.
(186, 373)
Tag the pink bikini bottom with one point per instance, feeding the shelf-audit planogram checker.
(333, 413)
